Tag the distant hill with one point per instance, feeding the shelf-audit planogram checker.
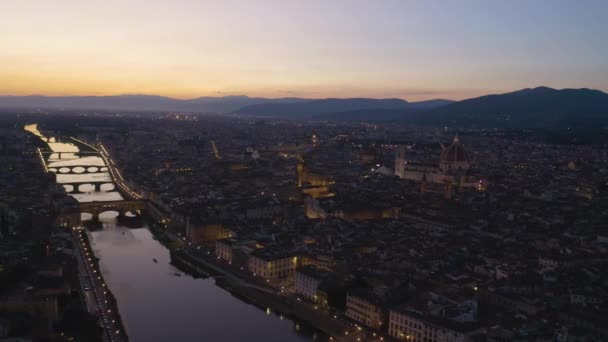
(411, 111)
(282, 107)
(538, 107)
(225, 104)
(313, 108)
(375, 114)
(430, 104)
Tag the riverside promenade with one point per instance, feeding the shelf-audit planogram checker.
(99, 299)
(254, 290)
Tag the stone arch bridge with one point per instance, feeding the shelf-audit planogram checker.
(122, 207)
(77, 169)
(96, 187)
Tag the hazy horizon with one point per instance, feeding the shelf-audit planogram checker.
(275, 97)
(315, 49)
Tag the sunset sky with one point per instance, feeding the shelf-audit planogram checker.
(275, 48)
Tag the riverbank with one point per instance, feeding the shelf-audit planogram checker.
(240, 285)
(268, 298)
(108, 312)
(94, 289)
(254, 291)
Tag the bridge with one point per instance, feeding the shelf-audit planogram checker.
(133, 201)
(58, 153)
(96, 187)
(122, 207)
(77, 169)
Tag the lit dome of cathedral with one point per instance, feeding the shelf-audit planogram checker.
(454, 157)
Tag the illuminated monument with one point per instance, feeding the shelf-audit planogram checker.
(454, 158)
(452, 172)
(400, 161)
(313, 183)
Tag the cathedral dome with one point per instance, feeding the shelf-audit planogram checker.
(454, 156)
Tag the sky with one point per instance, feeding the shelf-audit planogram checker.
(415, 50)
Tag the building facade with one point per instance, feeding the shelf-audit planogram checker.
(410, 326)
(364, 310)
(307, 281)
(451, 173)
(276, 268)
(223, 249)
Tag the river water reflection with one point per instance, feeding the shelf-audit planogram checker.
(66, 156)
(155, 303)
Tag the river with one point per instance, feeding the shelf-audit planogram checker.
(154, 303)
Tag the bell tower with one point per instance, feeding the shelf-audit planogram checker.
(300, 172)
(400, 161)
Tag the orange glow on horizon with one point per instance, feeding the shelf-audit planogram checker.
(58, 83)
(283, 48)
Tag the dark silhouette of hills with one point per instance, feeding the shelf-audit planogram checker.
(281, 107)
(313, 108)
(538, 107)
(224, 104)
(411, 110)
(430, 104)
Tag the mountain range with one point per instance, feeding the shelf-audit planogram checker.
(225, 104)
(537, 107)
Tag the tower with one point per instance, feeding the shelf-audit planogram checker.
(300, 172)
(400, 161)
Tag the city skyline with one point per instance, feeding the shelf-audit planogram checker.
(277, 49)
(303, 170)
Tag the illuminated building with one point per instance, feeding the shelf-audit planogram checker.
(200, 232)
(273, 265)
(412, 326)
(307, 280)
(324, 262)
(321, 209)
(223, 249)
(363, 308)
(454, 157)
(311, 183)
(305, 175)
(450, 174)
(228, 249)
